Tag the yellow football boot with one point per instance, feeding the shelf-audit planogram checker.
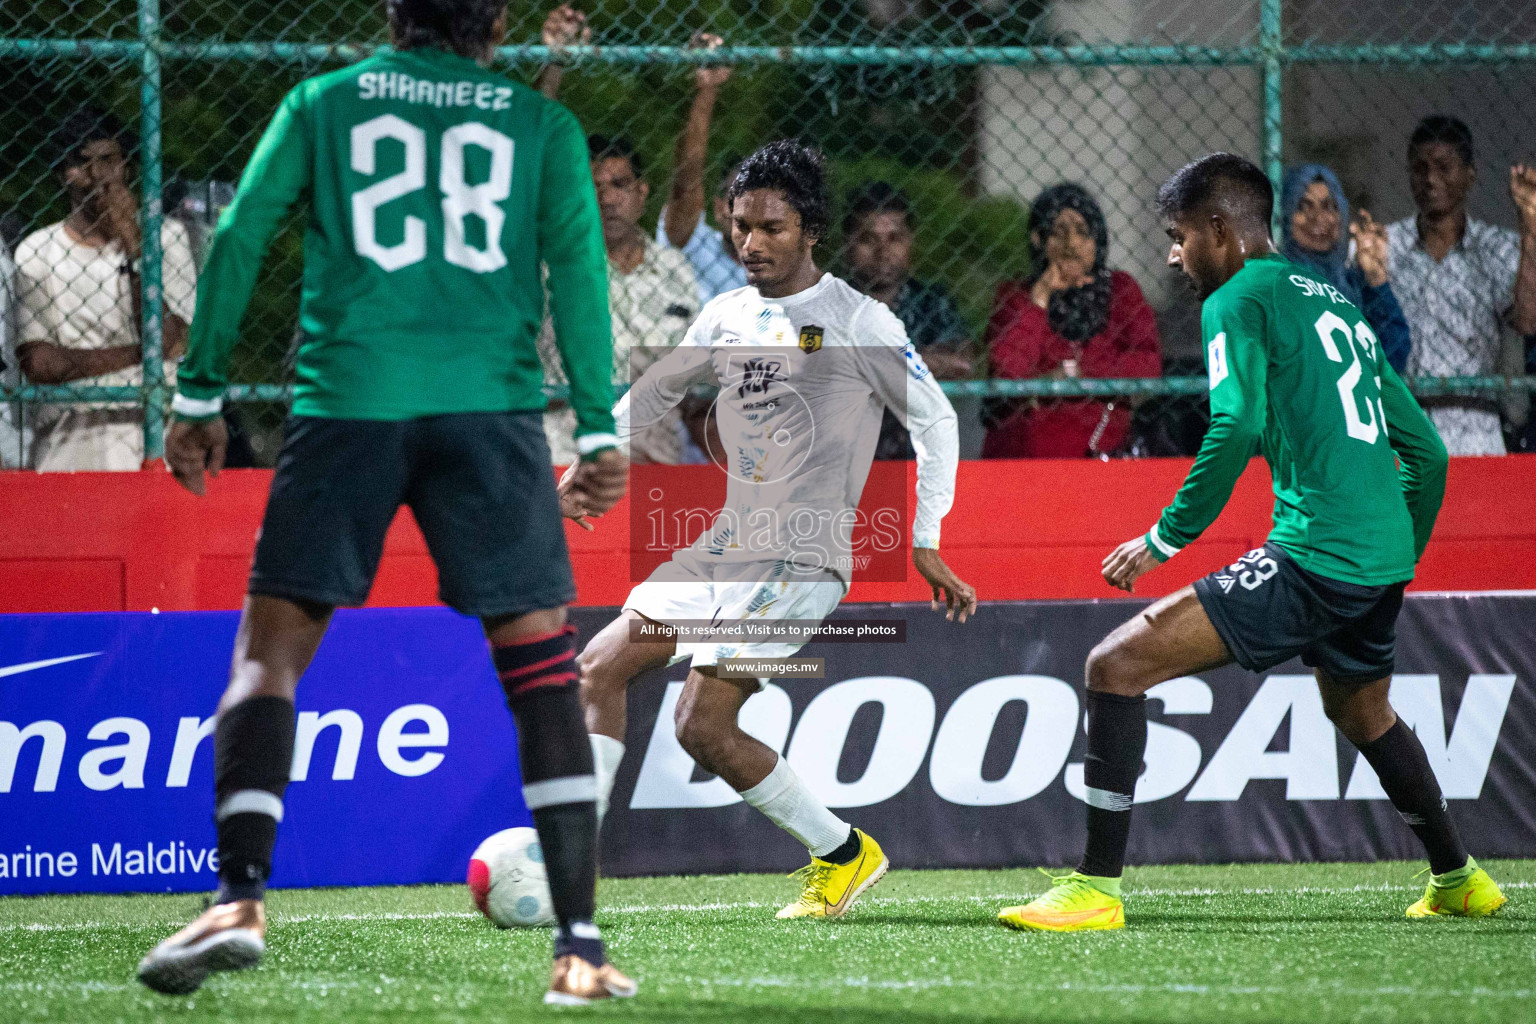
(1071, 905)
(828, 890)
(1478, 896)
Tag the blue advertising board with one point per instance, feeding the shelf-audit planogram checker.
(405, 756)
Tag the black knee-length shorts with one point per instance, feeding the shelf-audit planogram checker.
(1267, 609)
(479, 484)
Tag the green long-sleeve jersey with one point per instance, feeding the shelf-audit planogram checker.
(1297, 375)
(434, 189)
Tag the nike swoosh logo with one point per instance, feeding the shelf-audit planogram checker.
(33, 666)
(851, 879)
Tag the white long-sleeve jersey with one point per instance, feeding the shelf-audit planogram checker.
(802, 383)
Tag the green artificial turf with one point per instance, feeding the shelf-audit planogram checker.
(1306, 943)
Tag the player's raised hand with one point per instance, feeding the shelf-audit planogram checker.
(709, 76)
(959, 597)
(1128, 563)
(195, 446)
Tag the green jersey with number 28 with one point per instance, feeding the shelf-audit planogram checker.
(1298, 376)
(433, 189)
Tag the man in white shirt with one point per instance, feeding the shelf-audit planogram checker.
(652, 297)
(805, 366)
(1463, 284)
(12, 444)
(78, 311)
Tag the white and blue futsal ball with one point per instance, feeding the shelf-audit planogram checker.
(508, 881)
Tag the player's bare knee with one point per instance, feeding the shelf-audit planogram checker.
(704, 739)
(511, 629)
(1110, 670)
(249, 679)
(695, 736)
(599, 674)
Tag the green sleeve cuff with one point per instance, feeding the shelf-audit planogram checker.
(186, 407)
(589, 446)
(1160, 548)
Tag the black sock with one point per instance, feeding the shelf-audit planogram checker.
(1400, 763)
(253, 754)
(580, 938)
(850, 849)
(1117, 742)
(539, 677)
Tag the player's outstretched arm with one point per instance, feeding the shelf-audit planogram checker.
(908, 388)
(905, 385)
(570, 234)
(650, 398)
(1236, 361)
(1422, 458)
(665, 382)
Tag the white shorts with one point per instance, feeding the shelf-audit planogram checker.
(693, 587)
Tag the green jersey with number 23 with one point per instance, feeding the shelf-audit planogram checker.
(1298, 376)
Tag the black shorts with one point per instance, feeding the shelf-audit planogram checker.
(480, 485)
(1268, 609)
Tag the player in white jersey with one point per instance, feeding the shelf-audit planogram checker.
(805, 365)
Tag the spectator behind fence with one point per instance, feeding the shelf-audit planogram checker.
(78, 288)
(1313, 212)
(1461, 282)
(564, 26)
(682, 224)
(1073, 318)
(652, 298)
(12, 445)
(877, 238)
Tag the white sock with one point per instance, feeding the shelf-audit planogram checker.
(790, 805)
(607, 752)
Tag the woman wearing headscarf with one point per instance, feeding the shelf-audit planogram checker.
(1072, 318)
(1313, 212)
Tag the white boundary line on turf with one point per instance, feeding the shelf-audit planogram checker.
(1184, 988)
(920, 984)
(695, 908)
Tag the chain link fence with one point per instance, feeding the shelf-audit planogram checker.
(966, 111)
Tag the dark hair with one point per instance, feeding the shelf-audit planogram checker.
(1233, 183)
(601, 147)
(796, 170)
(875, 197)
(730, 163)
(1080, 312)
(1443, 128)
(86, 124)
(1048, 205)
(458, 26)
